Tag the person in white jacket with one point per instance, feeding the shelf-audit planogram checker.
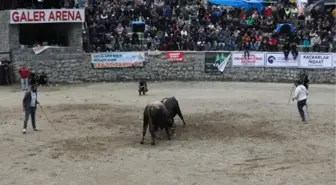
(301, 95)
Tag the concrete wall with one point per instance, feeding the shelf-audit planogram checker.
(4, 35)
(75, 35)
(71, 65)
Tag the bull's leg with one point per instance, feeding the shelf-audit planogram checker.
(145, 125)
(168, 134)
(173, 129)
(153, 136)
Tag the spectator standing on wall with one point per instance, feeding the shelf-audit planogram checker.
(24, 74)
(246, 45)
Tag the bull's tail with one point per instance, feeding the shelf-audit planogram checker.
(145, 125)
(180, 114)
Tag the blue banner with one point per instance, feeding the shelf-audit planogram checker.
(117, 59)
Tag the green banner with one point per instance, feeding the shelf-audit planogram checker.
(213, 60)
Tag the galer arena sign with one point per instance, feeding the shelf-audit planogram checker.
(47, 16)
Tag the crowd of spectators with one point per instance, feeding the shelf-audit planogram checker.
(179, 25)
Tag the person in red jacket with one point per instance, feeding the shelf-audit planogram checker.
(268, 11)
(24, 74)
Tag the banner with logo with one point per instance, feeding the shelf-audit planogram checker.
(254, 60)
(174, 56)
(316, 60)
(39, 49)
(213, 60)
(117, 59)
(278, 60)
(29, 16)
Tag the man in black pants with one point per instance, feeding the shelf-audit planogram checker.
(29, 107)
(301, 94)
(142, 87)
(293, 48)
(285, 49)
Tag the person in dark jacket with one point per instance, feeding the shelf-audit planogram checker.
(142, 87)
(29, 107)
(32, 78)
(304, 79)
(43, 79)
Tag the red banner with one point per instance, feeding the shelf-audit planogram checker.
(174, 56)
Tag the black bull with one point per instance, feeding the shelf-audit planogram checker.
(161, 115)
(173, 108)
(156, 116)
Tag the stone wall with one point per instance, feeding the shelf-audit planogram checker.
(71, 65)
(75, 35)
(4, 36)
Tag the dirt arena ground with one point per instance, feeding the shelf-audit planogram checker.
(236, 133)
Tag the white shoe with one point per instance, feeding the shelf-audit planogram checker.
(24, 131)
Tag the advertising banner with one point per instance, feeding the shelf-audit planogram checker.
(39, 49)
(278, 60)
(174, 56)
(254, 60)
(28, 16)
(213, 60)
(117, 59)
(316, 60)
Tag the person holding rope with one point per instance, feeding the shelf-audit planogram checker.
(29, 107)
(301, 95)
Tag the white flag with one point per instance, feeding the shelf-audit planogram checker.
(222, 66)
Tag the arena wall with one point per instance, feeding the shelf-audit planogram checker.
(65, 65)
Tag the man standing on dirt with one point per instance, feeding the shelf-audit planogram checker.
(29, 107)
(24, 74)
(301, 94)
